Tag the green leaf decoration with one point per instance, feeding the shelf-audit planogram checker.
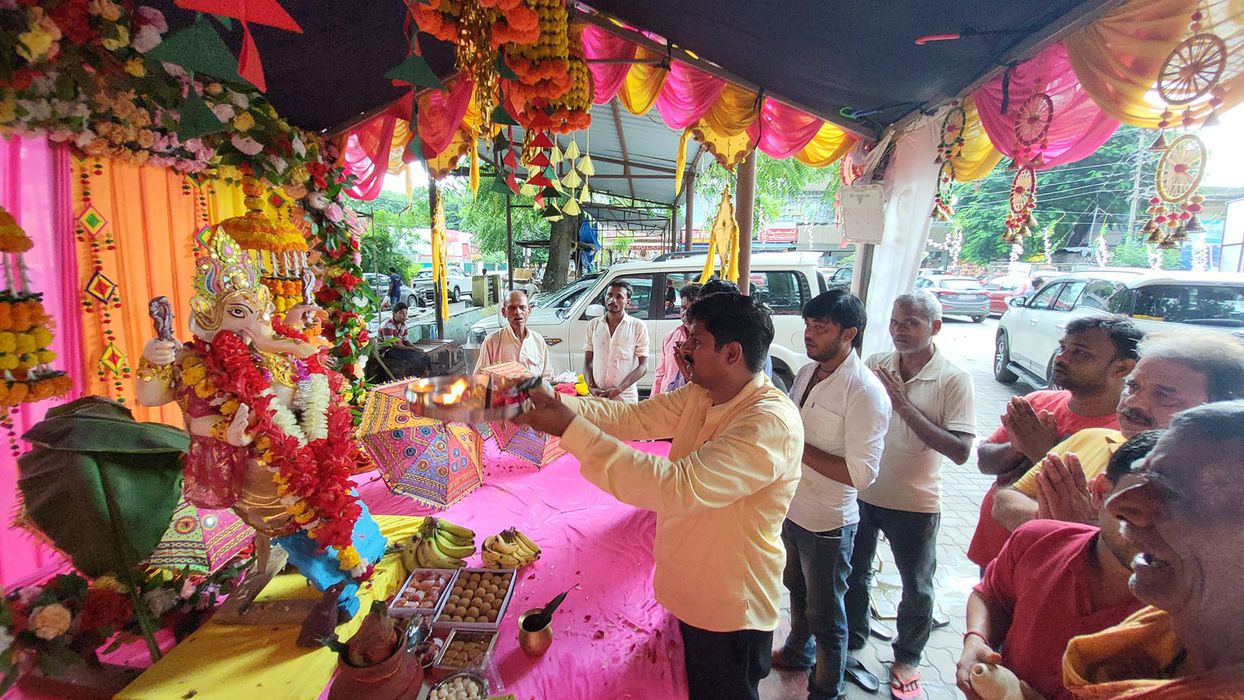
(196, 119)
(503, 69)
(199, 49)
(415, 71)
(100, 485)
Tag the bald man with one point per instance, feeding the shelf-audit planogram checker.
(515, 342)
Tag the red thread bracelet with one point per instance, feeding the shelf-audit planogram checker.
(984, 639)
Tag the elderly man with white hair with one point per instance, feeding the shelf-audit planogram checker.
(934, 415)
(515, 342)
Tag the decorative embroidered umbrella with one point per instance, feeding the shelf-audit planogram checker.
(202, 540)
(434, 463)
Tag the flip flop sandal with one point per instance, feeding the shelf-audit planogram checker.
(858, 673)
(908, 689)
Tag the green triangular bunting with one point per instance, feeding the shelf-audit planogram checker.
(199, 49)
(196, 119)
(503, 69)
(500, 116)
(415, 71)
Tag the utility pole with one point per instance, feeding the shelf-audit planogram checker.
(1140, 166)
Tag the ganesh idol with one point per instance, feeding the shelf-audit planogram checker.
(271, 436)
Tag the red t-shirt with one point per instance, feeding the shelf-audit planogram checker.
(989, 536)
(1043, 578)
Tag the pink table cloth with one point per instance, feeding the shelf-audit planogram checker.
(611, 638)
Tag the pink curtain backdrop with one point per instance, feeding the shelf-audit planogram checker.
(35, 188)
(687, 94)
(366, 156)
(1079, 127)
(782, 131)
(608, 77)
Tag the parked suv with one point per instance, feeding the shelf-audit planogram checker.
(1157, 301)
(958, 295)
(457, 282)
(413, 297)
(783, 281)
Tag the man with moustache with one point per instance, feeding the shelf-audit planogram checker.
(1051, 582)
(934, 415)
(1094, 356)
(1174, 373)
(720, 496)
(1182, 512)
(616, 354)
(845, 412)
(515, 342)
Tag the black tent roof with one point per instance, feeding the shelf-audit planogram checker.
(830, 58)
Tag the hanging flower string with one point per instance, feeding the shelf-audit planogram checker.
(311, 460)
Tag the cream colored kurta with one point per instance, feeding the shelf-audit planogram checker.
(504, 346)
(720, 497)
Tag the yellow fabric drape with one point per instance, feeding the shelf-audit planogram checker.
(643, 83)
(250, 661)
(978, 156)
(1118, 58)
(723, 128)
(829, 144)
(401, 139)
(440, 267)
(150, 216)
(723, 242)
(680, 162)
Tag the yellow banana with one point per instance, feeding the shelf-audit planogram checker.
(498, 544)
(430, 557)
(526, 542)
(451, 548)
(455, 531)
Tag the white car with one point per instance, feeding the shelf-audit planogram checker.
(1156, 300)
(458, 282)
(783, 281)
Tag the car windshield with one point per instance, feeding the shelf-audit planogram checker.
(1206, 305)
(964, 284)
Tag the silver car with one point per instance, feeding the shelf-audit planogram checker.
(959, 295)
(1156, 301)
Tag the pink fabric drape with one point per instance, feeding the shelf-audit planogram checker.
(366, 156)
(440, 116)
(782, 131)
(687, 94)
(608, 77)
(35, 188)
(1078, 128)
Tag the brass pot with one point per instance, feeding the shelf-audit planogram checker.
(534, 641)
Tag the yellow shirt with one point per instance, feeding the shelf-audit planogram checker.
(1094, 447)
(720, 497)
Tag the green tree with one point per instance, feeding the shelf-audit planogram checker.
(484, 217)
(1084, 196)
(778, 182)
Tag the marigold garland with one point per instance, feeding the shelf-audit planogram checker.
(310, 463)
(12, 238)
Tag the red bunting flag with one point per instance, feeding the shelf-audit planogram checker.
(266, 12)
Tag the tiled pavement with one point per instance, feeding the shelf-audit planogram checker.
(971, 346)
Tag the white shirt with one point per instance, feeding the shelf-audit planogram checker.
(910, 477)
(846, 414)
(504, 346)
(615, 355)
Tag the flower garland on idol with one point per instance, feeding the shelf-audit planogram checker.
(311, 461)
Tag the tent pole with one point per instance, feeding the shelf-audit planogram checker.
(744, 206)
(436, 288)
(688, 190)
(509, 244)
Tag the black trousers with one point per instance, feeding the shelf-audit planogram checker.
(725, 665)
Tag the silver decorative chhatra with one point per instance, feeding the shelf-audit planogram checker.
(469, 398)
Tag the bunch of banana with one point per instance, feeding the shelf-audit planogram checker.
(509, 549)
(439, 544)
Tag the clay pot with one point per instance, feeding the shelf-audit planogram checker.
(398, 677)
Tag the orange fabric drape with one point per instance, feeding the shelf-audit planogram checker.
(643, 83)
(978, 155)
(151, 217)
(1118, 58)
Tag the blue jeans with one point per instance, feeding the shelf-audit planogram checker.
(817, 567)
(913, 541)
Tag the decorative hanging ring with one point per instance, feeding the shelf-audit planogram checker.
(1023, 190)
(1032, 121)
(946, 182)
(1181, 168)
(952, 127)
(1192, 69)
